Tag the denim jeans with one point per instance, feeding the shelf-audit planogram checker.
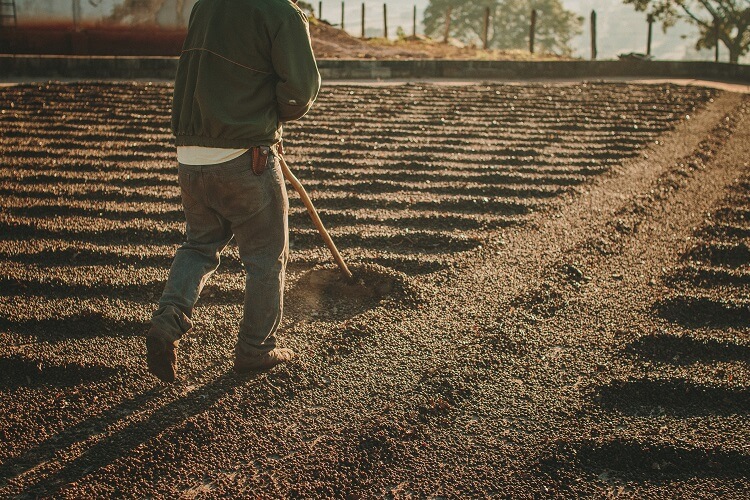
(223, 201)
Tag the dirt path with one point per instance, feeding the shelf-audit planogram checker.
(524, 256)
(738, 87)
(741, 88)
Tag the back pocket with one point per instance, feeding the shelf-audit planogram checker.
(241, 194)
(190, 200)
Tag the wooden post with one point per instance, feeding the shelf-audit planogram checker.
(342, 15)
(716, 34)
(414, 23)
(314, 216)
(650, 20)
(385, 21)
(486, 29)
(532, 31)
(76, 13)
(320, 10)
(363, 19)
(447, 24)
(593, 35)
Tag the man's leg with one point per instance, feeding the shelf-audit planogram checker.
(263, 242)
(207, 234)
(193, 264)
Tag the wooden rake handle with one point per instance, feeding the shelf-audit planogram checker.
(314, 216)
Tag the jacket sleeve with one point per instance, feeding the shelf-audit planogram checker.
(294, 64)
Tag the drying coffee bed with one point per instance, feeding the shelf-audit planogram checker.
(541, 302)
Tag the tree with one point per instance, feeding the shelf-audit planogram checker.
(731, 17)
(509, 23)
(137, 11)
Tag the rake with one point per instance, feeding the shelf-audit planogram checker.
(314, 215)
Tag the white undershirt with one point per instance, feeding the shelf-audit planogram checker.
(198, 155)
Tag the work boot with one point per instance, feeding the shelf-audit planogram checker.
(161, 356)
(247, 363)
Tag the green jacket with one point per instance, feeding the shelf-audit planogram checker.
(246, 67)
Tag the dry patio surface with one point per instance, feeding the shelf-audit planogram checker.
(552, 299)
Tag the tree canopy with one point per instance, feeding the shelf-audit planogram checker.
(509, 23)
(731, 17)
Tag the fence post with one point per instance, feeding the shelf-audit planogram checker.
(593, 35)
(320, 10)
(385, 21)
(76, 4)
(532, 31)
(650, 20)
(447, 24)
(363, 19)
(414, 22)
(342, 16)
(486, 28)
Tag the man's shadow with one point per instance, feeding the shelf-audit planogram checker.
(121, 442)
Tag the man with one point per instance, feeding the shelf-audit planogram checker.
(246, 67)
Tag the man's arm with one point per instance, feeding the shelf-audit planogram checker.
(294, 63)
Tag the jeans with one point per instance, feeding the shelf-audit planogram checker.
(223, 201)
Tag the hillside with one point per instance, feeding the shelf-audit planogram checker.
(331, 42)
(328, 42)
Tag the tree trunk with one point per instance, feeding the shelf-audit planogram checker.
(734, 55)
(735, 48)
(447, 33)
